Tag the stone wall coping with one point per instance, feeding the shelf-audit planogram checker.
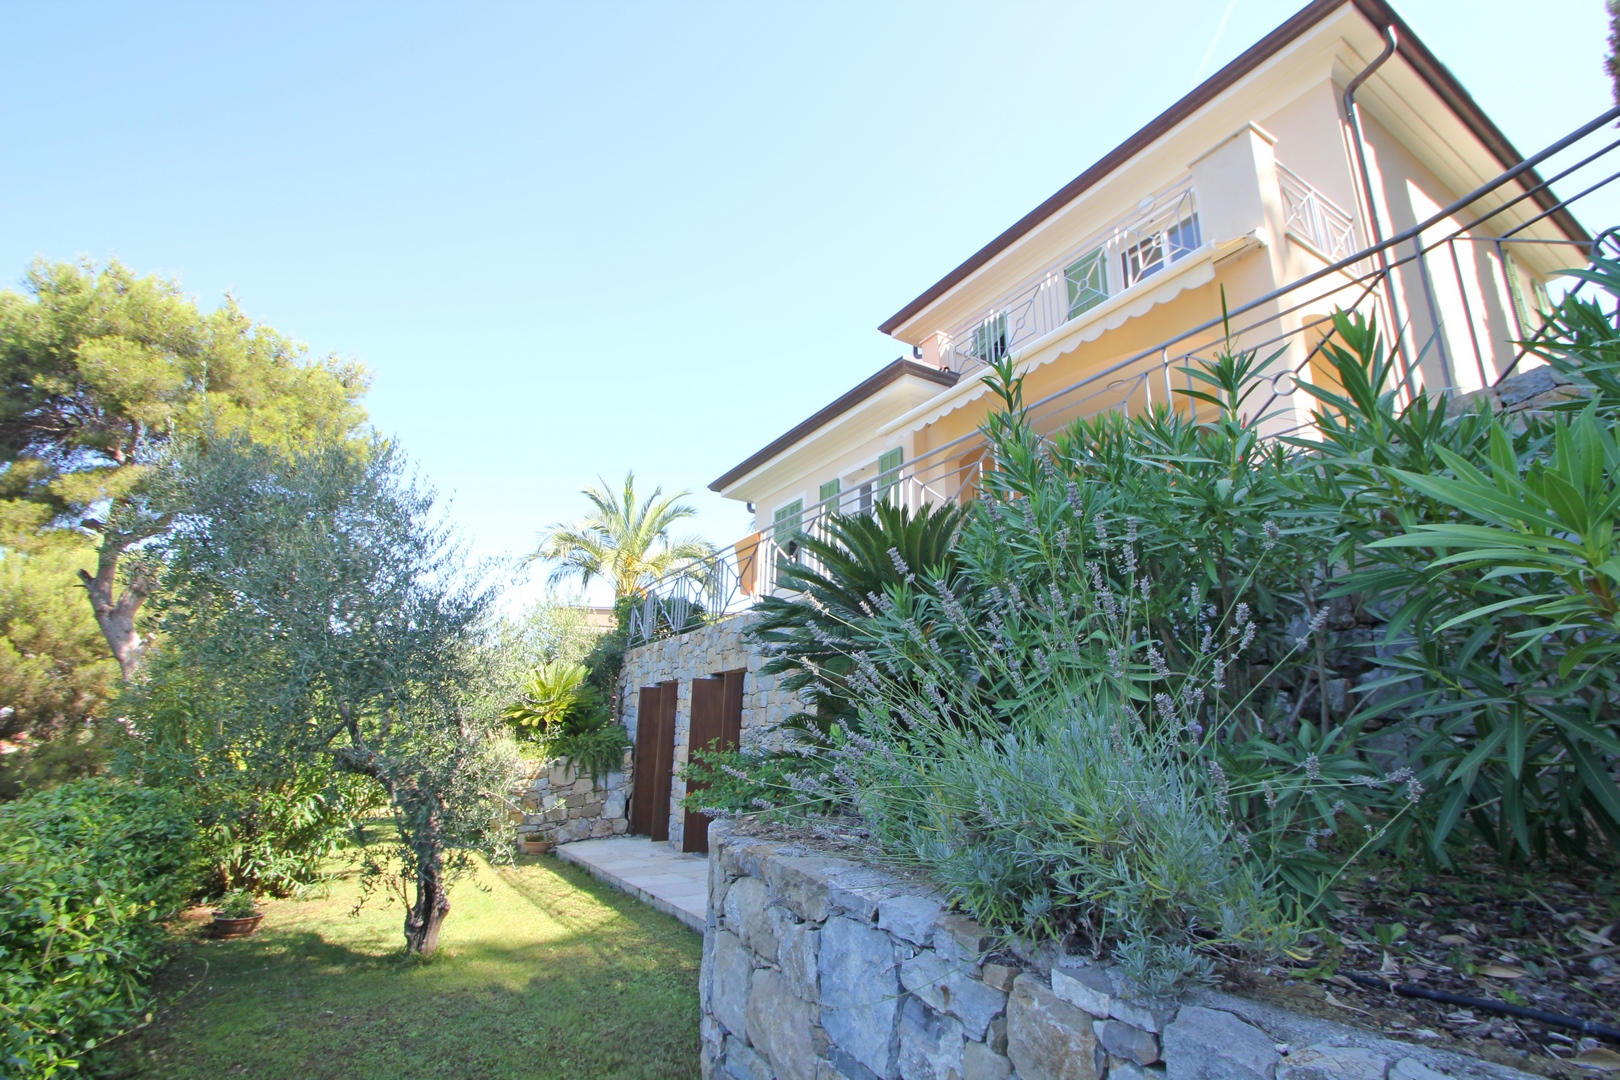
(820, 966)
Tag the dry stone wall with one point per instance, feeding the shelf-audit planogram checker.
(700, 654)
(822, 968)
(555, 801)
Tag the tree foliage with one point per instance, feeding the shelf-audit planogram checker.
(624, 539)
(320, 594)
(101, 369)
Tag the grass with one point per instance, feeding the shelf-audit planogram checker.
(542, 972)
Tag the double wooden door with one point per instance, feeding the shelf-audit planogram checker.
(716, 724)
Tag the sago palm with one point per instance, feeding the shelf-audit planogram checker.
(624, 540)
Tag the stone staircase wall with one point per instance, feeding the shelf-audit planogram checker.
(555, 801)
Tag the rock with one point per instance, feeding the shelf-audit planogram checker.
(1120, 1069)
(979, 1062)
(1047, 1038)
(783, 1027)
(1413, 1069)
(621, 826)
(969, 938)
(797, 952)
(1149, 1014)
(859, 890)
(601, 827)
(843, 1066)
(930, 1044)
(1087, 988)
(729, 992)
(1323, 1062)
(860, 992)
(909, 917)
(706, 975)
(1208, 1044)
(947, 986)
(1124, 1041)
(613, 805)
(800, 883)
(999, 976)
(996, 1037)
(743, 1063)
(747, 917)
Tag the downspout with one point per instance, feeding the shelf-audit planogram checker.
(1368, 203)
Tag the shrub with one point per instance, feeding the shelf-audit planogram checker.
(88, 873)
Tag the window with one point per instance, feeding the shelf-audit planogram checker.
(1153, 253)
(787, 525)
(990, 339)
(889, 471)
(1087, 279)
(1183, 237)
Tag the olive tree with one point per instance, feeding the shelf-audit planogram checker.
(324, 591)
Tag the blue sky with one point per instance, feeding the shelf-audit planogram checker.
(575, 240)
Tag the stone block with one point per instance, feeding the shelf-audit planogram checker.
(706, 980)
(742, 1062)
(1120, 1069)
(1323, 1062)
(948, 986)
(999, 976)
(621, 826)
(860, 992)
(1149, 1014)
(798, 950)
(601, 827)
(995, 1037)
(1087, 988)
(1413, 1069)
(930, 1044)
(784, 1027)
(979, 1062)
(613, 806)
(746, 916)
(733, 970)
(1122, 1040)
(1048, 1038)
(859, 890)
(910, 917)
(964, 937)
(800, 882)
(1208, 1044)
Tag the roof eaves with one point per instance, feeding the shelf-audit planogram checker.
(1378, 12)
(883, 377)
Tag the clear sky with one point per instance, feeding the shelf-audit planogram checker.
(571, 240)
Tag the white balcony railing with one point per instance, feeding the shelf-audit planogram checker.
(1315, 218)
(1162, 230)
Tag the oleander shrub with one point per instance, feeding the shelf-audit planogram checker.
(89, 871)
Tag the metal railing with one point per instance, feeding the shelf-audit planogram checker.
(1315, 218)
(1469, 311)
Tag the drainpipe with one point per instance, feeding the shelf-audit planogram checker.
(1368, 205)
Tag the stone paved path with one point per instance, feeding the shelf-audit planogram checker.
(674, 883)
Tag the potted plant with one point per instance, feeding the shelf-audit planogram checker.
(536, 845)
(237, 915)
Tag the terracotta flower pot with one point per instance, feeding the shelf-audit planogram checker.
(231, 928)
(538, 847)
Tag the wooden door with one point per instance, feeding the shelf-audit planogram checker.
(646, 761)
(658, 827)
(716, 724)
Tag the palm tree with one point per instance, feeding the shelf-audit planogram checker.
(623, 540)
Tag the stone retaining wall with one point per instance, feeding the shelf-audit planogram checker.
(700, 654)
(820, 968)
(555, 801)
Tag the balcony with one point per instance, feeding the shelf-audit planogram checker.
(1163, 230)
(1314, 218)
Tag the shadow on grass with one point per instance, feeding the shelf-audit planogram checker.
(547, 974)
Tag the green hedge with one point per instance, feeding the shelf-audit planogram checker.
(88, 873)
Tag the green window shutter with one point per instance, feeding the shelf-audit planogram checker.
(888, 470)
(1087, 279)
(788, 520)
(830, 489)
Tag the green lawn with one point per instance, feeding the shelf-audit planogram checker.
(541, 972)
